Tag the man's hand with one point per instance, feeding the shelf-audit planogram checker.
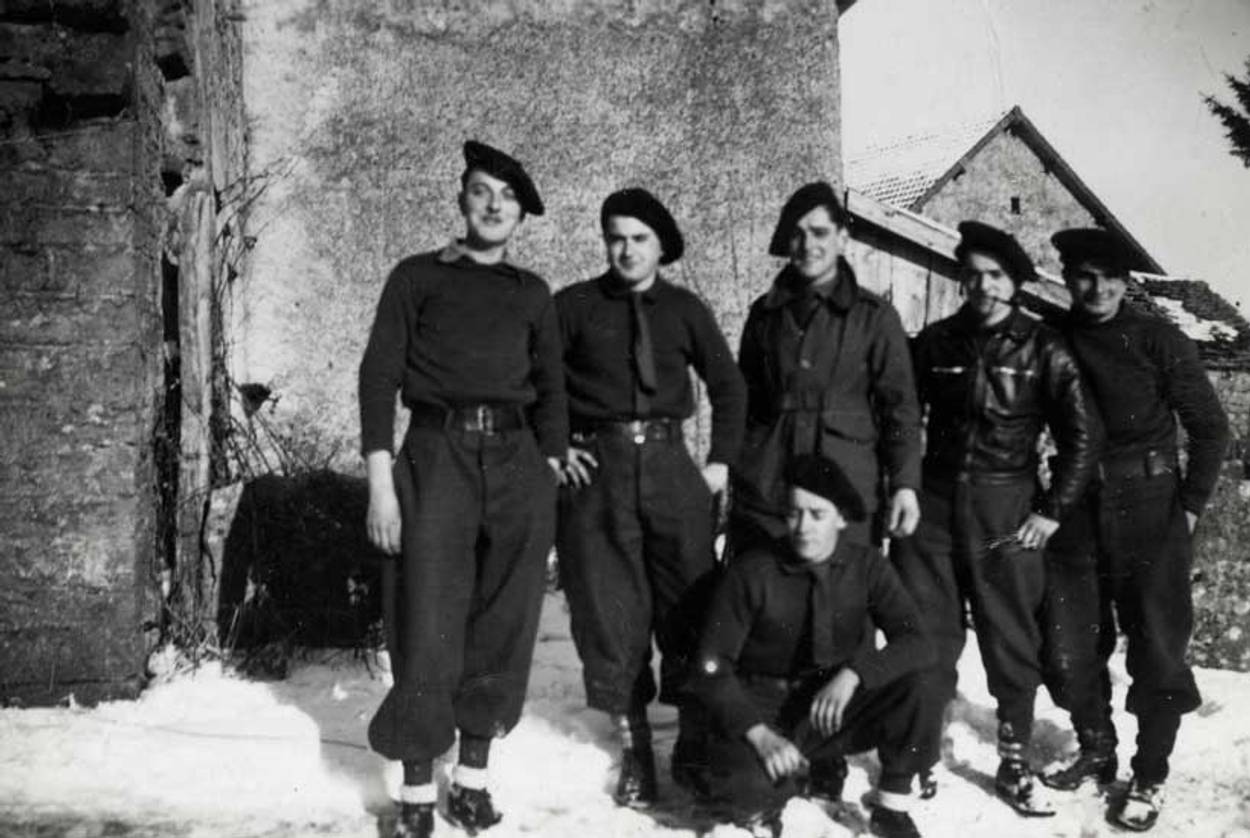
(1191, 518)
(382, 522)
(831, 701)
(780, 756)
(557, 468)
(904, 513)
(1036, 531)
(578, 467)
(716, 476)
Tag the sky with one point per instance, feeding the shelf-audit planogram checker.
(1115, 85)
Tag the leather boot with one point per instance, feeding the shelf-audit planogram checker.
(1096, 760)
(1015, 784)
(416, 820)
(1140, 807)
(471, 809)
(636, 787)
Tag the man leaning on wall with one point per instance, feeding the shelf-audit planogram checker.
(466, 508)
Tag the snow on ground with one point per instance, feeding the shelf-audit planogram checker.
(208, 754)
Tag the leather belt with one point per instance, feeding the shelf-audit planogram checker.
(637, 431)
(475, 418)
(1152, 463)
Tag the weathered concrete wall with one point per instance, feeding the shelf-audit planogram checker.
(1007, 168)
(79, 344)
(358, 110)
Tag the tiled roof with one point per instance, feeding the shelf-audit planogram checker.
(1215, 324)
(901, 171)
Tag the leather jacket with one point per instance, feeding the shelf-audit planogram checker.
(989, 393)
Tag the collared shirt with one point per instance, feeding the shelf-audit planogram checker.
(1144, 373)
(596, 328)
(453, 332)
(760, 618)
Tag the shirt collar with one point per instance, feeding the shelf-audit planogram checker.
(841, 292)
(794, 565)
(614, 289)
(455, 250)
(1016, 324)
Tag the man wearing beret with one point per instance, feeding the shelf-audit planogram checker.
(635, 517)
(827, 372)
(992, 377)
(789, 666)
(471, 342)
(1124, 551)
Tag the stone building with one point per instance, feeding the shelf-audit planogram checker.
(1002, 172)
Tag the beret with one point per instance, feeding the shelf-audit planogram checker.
(803, 201)
(973, 235)
(642, 205)
(1080, 244)
(496, 163)
(822, 476)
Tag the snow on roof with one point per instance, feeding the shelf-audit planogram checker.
(1222, 334)
(900, 171)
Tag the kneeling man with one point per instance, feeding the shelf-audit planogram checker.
(791, 673)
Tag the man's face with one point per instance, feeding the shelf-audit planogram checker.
(634, 250)
(814, 525)
(490, 209)
(1097, 290)
(987, 286)
(815, 245)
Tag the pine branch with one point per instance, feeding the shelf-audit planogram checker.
(1236, 128)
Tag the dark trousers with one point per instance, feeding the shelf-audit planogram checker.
(461, 603)
(636, 560)
(951, 559)
(1123, 553)
(894, 719)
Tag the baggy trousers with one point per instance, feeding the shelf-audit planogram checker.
(462, 601)
(894, 719)
(636, 559)
(1123, 552)
(959, 553)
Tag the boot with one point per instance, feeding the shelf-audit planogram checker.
(891, 823)
(826, 778)
(927, 784)
(1096, 761)
(471, 809)
(636, 787)
(1014, 784)
(416, 820)
(1139, 809)
(763, 824)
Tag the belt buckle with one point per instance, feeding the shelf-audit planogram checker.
(482, 420)
(638, 429)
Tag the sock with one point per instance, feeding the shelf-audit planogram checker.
(468, 777)
(893, 800)
(418, 773)
(474, 750)
(423, 794)
(633, 730)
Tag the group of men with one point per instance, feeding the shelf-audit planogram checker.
(536, 420)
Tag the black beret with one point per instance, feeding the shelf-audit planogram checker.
(806, 199)
(498, 164)
(641, 204)
(1081, 244)
(973, 235)
(822, 476)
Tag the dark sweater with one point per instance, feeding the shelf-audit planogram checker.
(596, 328)
(1144, 374)
(457, 333)
(760, 623)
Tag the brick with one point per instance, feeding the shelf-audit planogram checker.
(68, 189)
(90, 15)
(105, 146)
(69, 321)
(39, 226)
(80, 63)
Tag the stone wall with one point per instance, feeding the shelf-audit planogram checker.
(1004, 169)
(357, 114)
(80, 350)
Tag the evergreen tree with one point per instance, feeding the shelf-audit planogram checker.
(1236, 118)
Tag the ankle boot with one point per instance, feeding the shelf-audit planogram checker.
(1096, 760)
(416, 820)
(636, 787)
(471, 809)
